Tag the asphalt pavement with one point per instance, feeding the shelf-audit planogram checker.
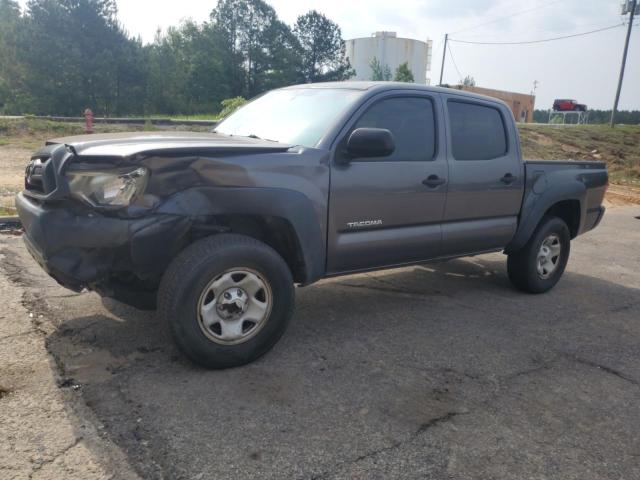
(436, 371)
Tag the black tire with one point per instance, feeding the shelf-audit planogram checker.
(191, 273)
(522, 265)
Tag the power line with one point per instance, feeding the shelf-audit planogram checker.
(499, 19)
(599, 24)
(539, 41)
(454, 61)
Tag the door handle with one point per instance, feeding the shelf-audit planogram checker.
(433, 181)
(508, 178)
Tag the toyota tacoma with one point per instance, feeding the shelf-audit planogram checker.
(305, 182)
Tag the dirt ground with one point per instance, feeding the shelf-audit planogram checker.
(618, 147)
(622, 195)
(13, 161)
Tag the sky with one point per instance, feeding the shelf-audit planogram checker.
(585, 68)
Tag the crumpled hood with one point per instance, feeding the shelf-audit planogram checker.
(131, 143)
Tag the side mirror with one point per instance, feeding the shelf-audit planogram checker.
(370, 142)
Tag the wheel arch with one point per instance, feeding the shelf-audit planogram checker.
(275, 231)
(566, 203)
(569, 212)
(286, 220)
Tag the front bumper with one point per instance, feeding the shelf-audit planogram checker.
(81, 248)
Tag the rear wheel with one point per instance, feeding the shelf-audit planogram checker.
(227, 299)
(538, 266)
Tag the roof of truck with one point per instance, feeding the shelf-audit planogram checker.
(384, 85)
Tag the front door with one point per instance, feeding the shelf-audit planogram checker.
(387, 211)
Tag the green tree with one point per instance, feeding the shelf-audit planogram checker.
(379, 71)
(10, 66)
(259, 49)
(230, 105)
(71, 50)
(280, 65)
(61, 56)
(131, 76)
(404, 74)
(322, 48)
(186, 73)
(469, 81)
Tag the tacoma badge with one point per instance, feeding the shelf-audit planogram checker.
(364, 223)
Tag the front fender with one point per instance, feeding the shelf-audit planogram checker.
(290, 205)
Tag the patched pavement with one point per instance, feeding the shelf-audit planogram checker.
(437, 371)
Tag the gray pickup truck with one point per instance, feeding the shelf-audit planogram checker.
(302, 183)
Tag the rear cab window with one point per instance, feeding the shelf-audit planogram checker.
(478, 132)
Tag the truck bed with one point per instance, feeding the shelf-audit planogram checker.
(577, 184)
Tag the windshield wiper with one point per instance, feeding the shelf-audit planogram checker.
(253, 135)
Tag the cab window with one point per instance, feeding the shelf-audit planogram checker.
(412, 123)
(477, 131)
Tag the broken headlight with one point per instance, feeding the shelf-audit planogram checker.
(107, 188)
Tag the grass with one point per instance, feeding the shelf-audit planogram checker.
(214, 117)
(32, 126)
(7, 211)
(618, 147)
(30, 132)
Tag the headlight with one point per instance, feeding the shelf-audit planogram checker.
(105, 188)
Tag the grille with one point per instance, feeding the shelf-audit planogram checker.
(39, 176)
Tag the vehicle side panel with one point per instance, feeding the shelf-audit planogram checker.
(481, 211)
(551, 182)
(400, 215)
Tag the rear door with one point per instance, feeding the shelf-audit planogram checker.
(387, 211)
(486, 176)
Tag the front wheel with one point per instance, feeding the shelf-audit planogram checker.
(538, 266)
(227, 299)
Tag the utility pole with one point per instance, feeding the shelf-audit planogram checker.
(444, 54)
(628, 6)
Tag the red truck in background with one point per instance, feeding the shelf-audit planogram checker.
(565, 105)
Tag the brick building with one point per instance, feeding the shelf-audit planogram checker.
(521, 104)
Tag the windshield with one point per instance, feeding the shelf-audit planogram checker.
(299, 116)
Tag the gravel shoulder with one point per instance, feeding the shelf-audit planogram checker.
(48, 433)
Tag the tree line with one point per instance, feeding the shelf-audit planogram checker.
(61, 56)
(382, 72)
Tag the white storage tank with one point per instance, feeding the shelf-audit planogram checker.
(392, 52)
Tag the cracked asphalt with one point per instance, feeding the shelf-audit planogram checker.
(437, 371)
